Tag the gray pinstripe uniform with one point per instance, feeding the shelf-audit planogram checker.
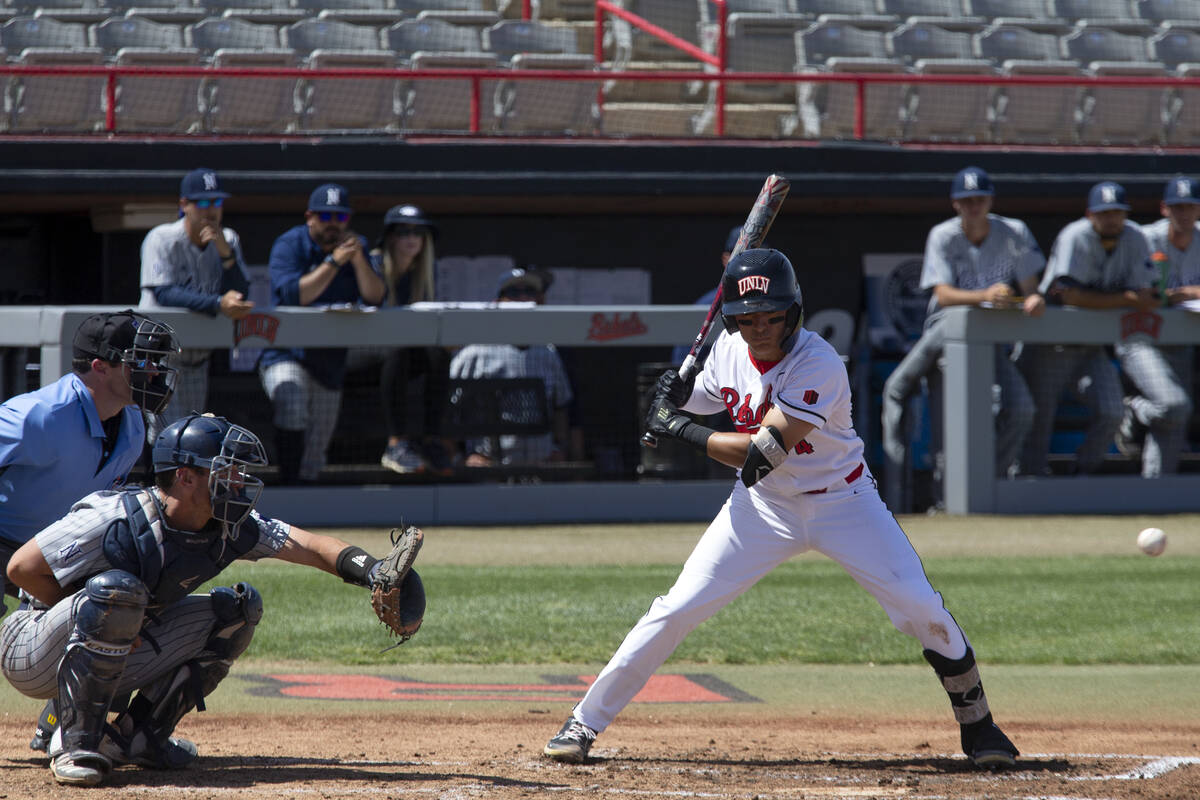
(1086, 369)
(1166, 408)
(169, 258)
(34, 638)
(1009, 254)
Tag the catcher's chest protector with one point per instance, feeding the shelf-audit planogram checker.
(170, 563)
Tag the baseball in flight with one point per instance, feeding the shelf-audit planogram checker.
(1152, 541)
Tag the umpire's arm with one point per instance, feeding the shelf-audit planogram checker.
(29, 570)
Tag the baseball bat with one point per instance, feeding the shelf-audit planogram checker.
(754, 232)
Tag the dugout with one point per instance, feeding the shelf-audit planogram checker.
(77, 210)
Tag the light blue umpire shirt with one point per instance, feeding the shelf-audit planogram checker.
(52, 453)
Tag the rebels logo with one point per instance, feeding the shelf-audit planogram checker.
(746, 419)
(753, 283)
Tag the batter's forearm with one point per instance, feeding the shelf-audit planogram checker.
(729, 448)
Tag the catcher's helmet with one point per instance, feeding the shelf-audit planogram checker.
(760, 280)
(205, 441)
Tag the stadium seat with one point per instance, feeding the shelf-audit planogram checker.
(1176, 46)
(761, 43)
(57, 103)
(438, 105)
(238, 105)
(944, 13)
(914, 41)
(431, 36)
(569, 10)
(1037, 114)
(349, 104)
(1011, 42)
(532, 106)
(463, 19)
(158, 103)
(379, 13)
(268, 12)
(114, 34)
(860, 13)
(956, 112)
(1088, 44)
(827, 110)
(1170, 13)
(824, 40)
(679, 17)
(414, 7)
(1183, 110)
(79, 11)
(171, 15)
(1117, 115)
(708, 9)
(22, 32)
(216, 33)
(308, 35)
(1033, 15)
(1115, 15)
(513, 37)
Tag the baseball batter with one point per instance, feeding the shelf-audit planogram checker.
(106, 606)
(804, 486)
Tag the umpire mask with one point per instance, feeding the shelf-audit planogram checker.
(152, 377)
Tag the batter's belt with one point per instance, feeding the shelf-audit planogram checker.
(851, 478)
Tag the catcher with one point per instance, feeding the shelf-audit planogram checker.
(107, 623)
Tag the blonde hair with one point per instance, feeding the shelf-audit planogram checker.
(421, 284)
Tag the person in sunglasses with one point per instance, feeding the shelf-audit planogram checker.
(321, 262)
(197, 264)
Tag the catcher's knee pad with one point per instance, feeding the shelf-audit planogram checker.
(238, 609)
(111, 611)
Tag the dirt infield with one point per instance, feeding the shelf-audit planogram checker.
(440, 755)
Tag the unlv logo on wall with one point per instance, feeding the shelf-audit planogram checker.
(752, 283)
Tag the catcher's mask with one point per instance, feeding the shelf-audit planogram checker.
(227, 451)
(760, 280)
(143, 344)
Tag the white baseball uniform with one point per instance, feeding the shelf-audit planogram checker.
(821, 498)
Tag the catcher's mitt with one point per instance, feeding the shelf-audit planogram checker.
(397, 594)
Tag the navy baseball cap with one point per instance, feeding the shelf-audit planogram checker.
(1180, 190)
(971, 182)
(1107, 195)
(105, 336)
(523, 279)
(408, 214)
(330, 197)
(201, 184)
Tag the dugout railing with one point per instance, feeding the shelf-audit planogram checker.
(109, 121)
(971, 486)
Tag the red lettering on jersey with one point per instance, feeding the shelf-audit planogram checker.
(746, 417)
(803, 448)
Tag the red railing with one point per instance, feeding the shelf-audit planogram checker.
(113, 73)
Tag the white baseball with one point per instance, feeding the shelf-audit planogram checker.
(1152, 541)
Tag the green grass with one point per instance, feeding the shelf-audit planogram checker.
(1060, 610)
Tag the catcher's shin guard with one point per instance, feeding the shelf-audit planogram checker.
(145, 729)
(107, 621)
(982, 741)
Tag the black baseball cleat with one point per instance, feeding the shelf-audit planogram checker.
(572, 743)
(47, 722)
(987, 746)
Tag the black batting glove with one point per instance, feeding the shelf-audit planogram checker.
(676, 389)
(665, 419)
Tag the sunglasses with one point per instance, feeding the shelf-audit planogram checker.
(326, 216)
(216, 202)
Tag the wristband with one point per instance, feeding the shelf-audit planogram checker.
(330, 260)
(696, 434)
(354, 565)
